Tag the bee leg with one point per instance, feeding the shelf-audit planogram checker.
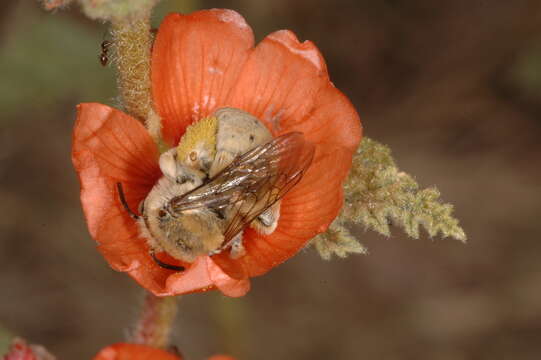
(266, 218)
(124, 202)
(267, 221)
(165, 265)
(237, 248)
(168, 163)
(214, 252)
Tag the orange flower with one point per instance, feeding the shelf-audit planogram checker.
(21, 350)
(202, 62)
(125, 351)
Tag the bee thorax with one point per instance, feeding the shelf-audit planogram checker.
(238, 132)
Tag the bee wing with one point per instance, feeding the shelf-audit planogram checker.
(253, 182)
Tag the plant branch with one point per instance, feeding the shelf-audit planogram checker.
(377, 195)
(132, 42)
(155, 322)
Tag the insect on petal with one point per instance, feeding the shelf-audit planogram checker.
(202, 62)
(301, 98)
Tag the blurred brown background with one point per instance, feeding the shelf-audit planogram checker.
(454, 87)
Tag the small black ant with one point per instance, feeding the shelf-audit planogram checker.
(104, 49)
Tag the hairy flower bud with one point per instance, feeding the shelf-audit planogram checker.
(20, 350)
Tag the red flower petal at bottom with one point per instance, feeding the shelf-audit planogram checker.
(20, 350)
(124, 351)
(205, 274)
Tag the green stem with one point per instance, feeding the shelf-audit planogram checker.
(155, 322)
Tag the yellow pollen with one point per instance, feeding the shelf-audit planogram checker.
(200, 133)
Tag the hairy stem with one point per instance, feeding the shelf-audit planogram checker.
(132, 41)
(155, 321)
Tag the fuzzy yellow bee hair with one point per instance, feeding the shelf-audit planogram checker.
(201, 134)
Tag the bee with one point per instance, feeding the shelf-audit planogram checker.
(104, 58)
(226, 174)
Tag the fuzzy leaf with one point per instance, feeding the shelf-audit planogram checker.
(337, 240)
(378, 194)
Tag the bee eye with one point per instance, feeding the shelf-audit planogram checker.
(162, 213)
(193, 156)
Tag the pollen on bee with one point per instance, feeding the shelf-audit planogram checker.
(203, 131)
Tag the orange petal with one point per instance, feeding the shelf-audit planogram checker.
(279, 81)
(332, 122)
(226, 284)
(301, 216)
(204, 275)
(196, 61)
(196, 278)
(125, 351)
(110, 147)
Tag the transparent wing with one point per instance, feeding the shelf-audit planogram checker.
(252, 183)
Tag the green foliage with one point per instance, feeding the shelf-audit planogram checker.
(42, 61)
(55, 4)
(337, 240)
(377, 195)
(116, 9)
(5, 340)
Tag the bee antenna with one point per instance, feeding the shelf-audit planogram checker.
(124, 202)
(165, 265)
